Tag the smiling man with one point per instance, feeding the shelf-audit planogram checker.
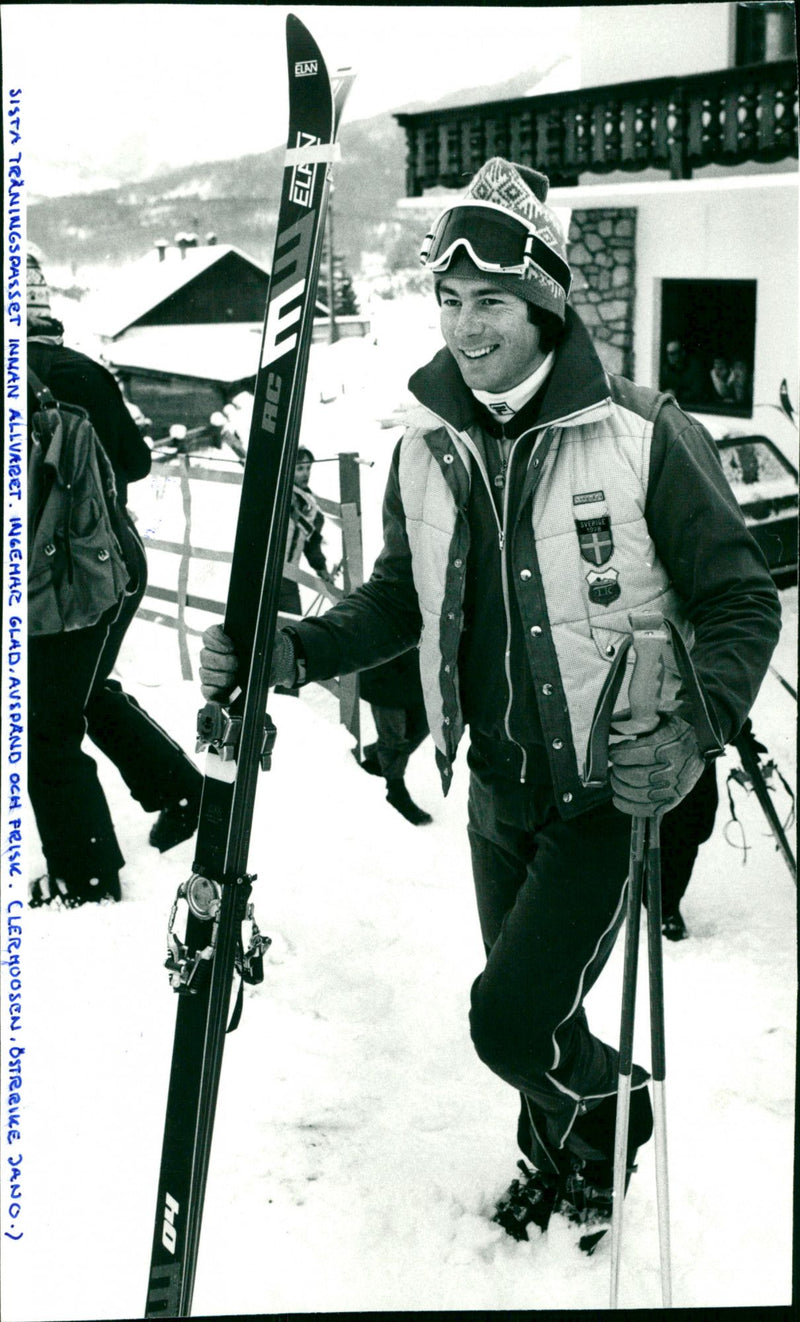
(532, 504)
(489, 333)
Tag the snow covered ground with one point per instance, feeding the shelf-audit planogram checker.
(359, 1142)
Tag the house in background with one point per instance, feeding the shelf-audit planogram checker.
(181, 329)
(676, 159)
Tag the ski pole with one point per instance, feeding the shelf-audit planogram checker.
(635, 884)
(752, 768)
(791, 691)
(645, 874)
(658, 1051)
(646, 691)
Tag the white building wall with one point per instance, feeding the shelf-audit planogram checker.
(749, 234)
(621, 43)
(743, 228)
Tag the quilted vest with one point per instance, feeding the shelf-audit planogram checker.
(596, 558)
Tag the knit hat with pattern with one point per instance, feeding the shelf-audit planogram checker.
(38, 292)
(522, 192)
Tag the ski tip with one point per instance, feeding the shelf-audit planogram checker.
(296, 31)
(305, 57)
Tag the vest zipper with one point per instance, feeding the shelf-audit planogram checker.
(507, 607)
(501, 540)
(467, 441)
(506, 591)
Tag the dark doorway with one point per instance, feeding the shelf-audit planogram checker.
(708, 331)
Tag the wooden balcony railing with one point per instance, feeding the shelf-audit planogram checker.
(726, 118)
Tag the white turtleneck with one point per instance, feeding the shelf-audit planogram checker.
(509, 402)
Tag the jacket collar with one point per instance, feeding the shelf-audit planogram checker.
(576, 384)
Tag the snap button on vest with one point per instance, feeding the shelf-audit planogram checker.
(525, 574)
(448, 458)
(566, 798)
(536, 630)
(547, 689)
(558, 743)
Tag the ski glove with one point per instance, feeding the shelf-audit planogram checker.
(654, 771)
(219, 664)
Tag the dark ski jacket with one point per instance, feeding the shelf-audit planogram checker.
(395, 684)
(520, 605)
(74, 378)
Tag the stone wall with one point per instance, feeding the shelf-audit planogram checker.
(602, 254)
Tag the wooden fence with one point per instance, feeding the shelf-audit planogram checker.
(345, 513)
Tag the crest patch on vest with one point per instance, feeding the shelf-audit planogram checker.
(603, 588)
(593, 527)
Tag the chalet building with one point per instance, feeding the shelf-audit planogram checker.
(675, 163)
(182, 328)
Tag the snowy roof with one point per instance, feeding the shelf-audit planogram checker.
(223, 352)
(145, 284)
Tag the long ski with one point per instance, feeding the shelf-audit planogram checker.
(239, 735)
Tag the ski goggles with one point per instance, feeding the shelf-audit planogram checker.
(494, 240)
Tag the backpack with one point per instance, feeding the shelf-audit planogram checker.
(76, 567)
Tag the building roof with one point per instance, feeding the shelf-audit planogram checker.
(224, 353)
(144, 285)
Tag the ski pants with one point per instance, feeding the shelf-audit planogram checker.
(289, 597)
(683, 831)
(154, 767)
(70, 694)
(400, 732)
(551, 901)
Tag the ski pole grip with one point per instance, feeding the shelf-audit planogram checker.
(651, 645)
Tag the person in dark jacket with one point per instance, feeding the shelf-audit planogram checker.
(534, 503)
(71, 689)
(394, 693)
(306, 522)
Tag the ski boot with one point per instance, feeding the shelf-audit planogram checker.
(529, 1201)
(370, 762)
(587, 1199)
(61, 894)
(398, 796)
(175, 823)
(673, 926)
